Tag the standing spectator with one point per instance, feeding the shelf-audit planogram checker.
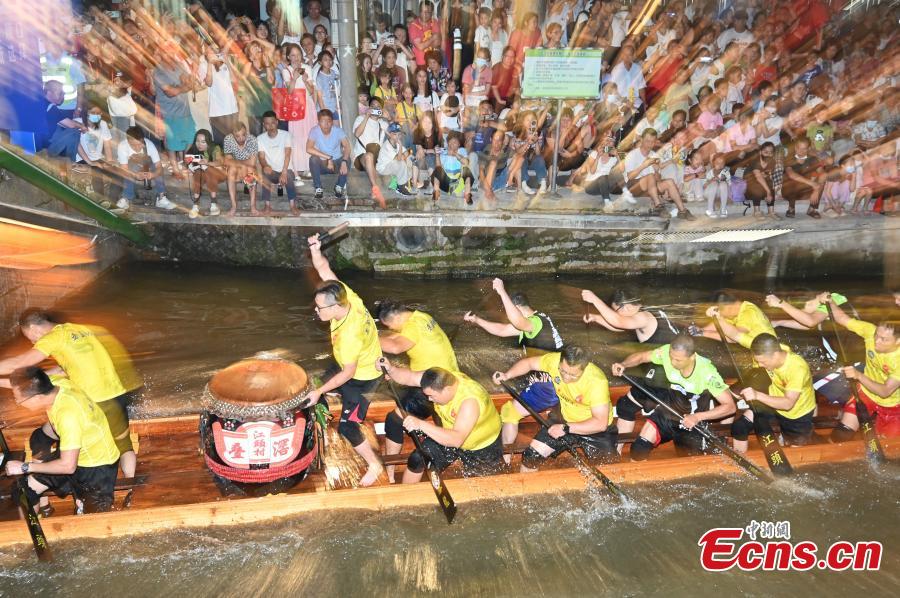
(315, 17)
(215, 73)
(629, 78)
(395, 160)
(365, 75)
(527, 35)
(256, 85)
(438, 76)
(242, 159)
(483, 31)
(121, 106)
(405, 56)
(370, 130)
(389, 62)
(298, 75)
(504, 80)
(206, 164)
(820, 134)
(58, 65)
(172, 83)
(327, 83)
(498, 38)
(329, 152)
(139, 161)
(642, 176)
(425, 32)
(275, 162)
(476, 85)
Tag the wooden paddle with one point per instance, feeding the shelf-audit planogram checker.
(874, 452)
(333, 233)
(446, 502)
(714, 440)
(38, 539)
(582, 465)
(775, 457)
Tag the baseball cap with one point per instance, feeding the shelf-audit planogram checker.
(394, 128)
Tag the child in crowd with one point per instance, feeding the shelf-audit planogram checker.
(717, 186)
(449, 116)
(327, 81)
(387, 93)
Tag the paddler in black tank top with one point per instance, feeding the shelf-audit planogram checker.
(537, 335)
(627, 313)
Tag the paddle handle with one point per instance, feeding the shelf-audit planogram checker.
(727, 348)
(333, 232)
(537, 416)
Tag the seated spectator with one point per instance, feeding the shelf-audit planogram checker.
(570, 148)
(803, 179)
(528, 144)
(476, 84)
(880, 174)
(641, 173)
(408, 115)
(759, 176)
(369, 129)
(452, 174)
(494, 163)
(598, 175)
(95, 148)
(427, 140)
(740, 139)
(65, 132)
(386, 93)
(242, 159)
(329, 152)
(820, 134)
(718, 187)
(869, 133)
(438, 76)
(450, 113)
(206, 165)
(395, 160)
(139, 161)
(275, 148)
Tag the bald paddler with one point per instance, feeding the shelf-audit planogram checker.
(469, 429)
(354, 343)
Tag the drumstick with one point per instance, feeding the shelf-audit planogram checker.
(333, 233)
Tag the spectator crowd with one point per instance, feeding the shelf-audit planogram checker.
(737, 107)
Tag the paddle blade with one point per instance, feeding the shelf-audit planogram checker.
(446, 502)
(775, 457)
(38, 539)
(874, 452)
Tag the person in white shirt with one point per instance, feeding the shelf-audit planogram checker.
(95, 147)
(370, 130)
(314, 8)
(139, 161)
(736, 33)
(217, 75)
(394, 160)
(641, 174)
(598, 173)
(274, 162)
(629, 78)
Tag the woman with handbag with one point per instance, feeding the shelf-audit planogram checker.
(295, 103)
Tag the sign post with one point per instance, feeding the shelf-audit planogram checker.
(561, 74)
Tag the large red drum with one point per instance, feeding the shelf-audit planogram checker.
(254, 437)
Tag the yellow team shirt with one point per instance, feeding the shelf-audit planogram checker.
(432, 347)
(78, 350)
(81, 424)
(754, 320)
(408, 113)
(879, 366)
(794, 375)
(354, 339)
(578, 398)
(487, 427)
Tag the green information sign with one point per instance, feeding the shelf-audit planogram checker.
(562, 74)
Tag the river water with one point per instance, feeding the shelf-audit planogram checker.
(183, 322)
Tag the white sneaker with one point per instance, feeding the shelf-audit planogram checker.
(214, 209)
(711, 214)
(723, 213)
(123, 204)
(526, 189)
(195, 211)
(298, 182)
(607, 203)
(673, 212)
(627, 196)
(163, 203)
(543, 186)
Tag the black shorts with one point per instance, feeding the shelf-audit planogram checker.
(354, 404)
(481, 462)
(93, 485)
(596, 446)
(116, 412)
(636, 400)
(796, 432)
(669, 429)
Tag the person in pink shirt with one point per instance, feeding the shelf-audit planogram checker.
(710, 126)
(740, 138)
(527, 35)
(425, 32)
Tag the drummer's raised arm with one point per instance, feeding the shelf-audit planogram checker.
(319, 261)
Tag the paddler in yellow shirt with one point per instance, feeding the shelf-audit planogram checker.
(354, 342)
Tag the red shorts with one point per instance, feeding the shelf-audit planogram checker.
(887, 419)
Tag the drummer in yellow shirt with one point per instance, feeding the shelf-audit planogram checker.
(354, 342)
(88, 458)
(418, 335)
(583, 392)
(790, 397)
(469, 429)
